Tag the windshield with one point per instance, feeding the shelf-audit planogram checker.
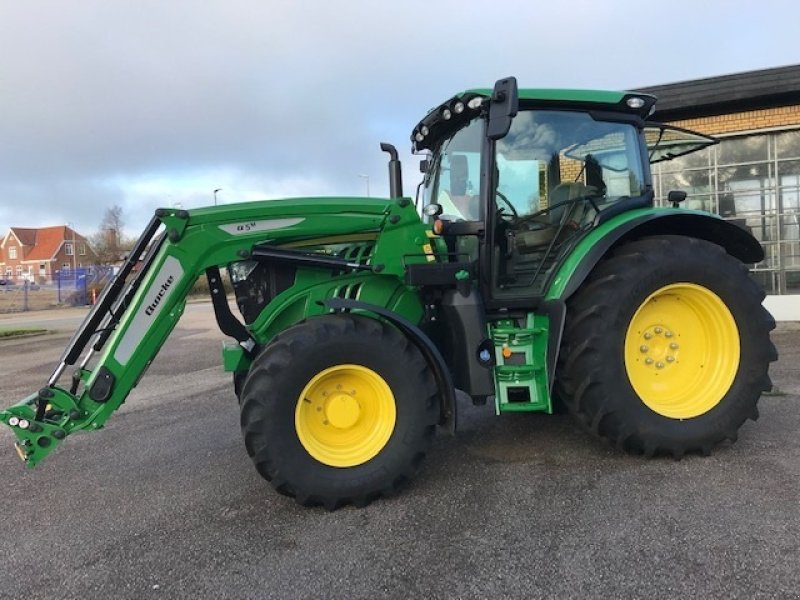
(548, 158)
(454, 180)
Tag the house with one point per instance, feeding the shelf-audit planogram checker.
(35, 254)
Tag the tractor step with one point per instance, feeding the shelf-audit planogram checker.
(520, 371)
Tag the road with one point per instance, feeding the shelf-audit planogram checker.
(164, 503)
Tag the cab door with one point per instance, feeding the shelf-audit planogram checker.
(554, 172)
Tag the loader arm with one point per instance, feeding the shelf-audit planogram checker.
(140, 307)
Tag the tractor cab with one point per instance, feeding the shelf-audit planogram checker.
(517, 188)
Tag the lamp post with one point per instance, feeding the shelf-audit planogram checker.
(366, 178)
(215, 195)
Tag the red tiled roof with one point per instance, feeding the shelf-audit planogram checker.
(48, 239)
(44, 242)
(25, 235)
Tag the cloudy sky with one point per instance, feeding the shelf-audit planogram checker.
(157, 103)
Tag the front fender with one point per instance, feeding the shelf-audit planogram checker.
(577, 265)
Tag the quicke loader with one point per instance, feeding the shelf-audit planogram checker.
(533, 270)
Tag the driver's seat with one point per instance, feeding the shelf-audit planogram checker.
(544, 227)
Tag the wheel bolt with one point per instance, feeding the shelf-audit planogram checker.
(668, 334)
(648, 335)
(670, 359)
(648, 361)
(659, 365)
(643, 348)
(674, 346)
(658, 330)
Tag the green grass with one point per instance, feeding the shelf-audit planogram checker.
(7, 333)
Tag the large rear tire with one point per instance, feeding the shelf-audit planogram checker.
(666, 348)
(339, 409)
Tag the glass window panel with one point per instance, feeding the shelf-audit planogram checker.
(792, 282)
(699, 202)
(790, 199)
(745, 177)
(789, 178)
(787, 144)
(691, 182)
(771, 256)
(746, 202)
(763, 227)
(748, 187)
(790, 255)
(750, 148)
(695, 160)
(767, 280)
(789, 167)
(790, 226)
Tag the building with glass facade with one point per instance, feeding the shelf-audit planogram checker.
(752, 177)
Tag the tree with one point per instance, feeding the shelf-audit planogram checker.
(109, 242)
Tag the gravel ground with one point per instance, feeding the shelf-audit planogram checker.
(164, 503)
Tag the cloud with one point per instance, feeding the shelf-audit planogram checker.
(149, 103)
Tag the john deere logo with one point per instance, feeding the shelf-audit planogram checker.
(151, 308)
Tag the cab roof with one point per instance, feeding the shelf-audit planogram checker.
(637, 104)
(563, 95)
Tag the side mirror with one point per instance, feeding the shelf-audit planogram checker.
(675, 197)
(503, 108)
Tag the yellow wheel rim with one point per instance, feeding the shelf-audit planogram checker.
(345, 415)
(682, 350)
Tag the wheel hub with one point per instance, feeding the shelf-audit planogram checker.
(659, 348)
(682, 350)
(345, 415)
(342, 410)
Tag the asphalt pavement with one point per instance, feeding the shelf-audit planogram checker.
(165, 503)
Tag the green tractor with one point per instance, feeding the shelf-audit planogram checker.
(533, 270)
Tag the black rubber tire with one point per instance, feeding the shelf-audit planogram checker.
(239, 378)
(591, 376)
(276, 380)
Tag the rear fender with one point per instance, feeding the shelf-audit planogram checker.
(634, 224)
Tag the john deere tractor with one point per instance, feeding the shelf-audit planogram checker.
(533, 269)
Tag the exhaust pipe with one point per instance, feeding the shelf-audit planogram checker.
(395, 171)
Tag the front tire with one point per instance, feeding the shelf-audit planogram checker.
(339, 409)
(666, 348)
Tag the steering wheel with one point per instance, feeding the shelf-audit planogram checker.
(508, 204)
(586, 198)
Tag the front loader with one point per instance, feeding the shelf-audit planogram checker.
(533, 269)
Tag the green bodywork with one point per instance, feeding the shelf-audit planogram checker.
(400, 239)
(520, 372)
(384, 237)
(216, 237)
